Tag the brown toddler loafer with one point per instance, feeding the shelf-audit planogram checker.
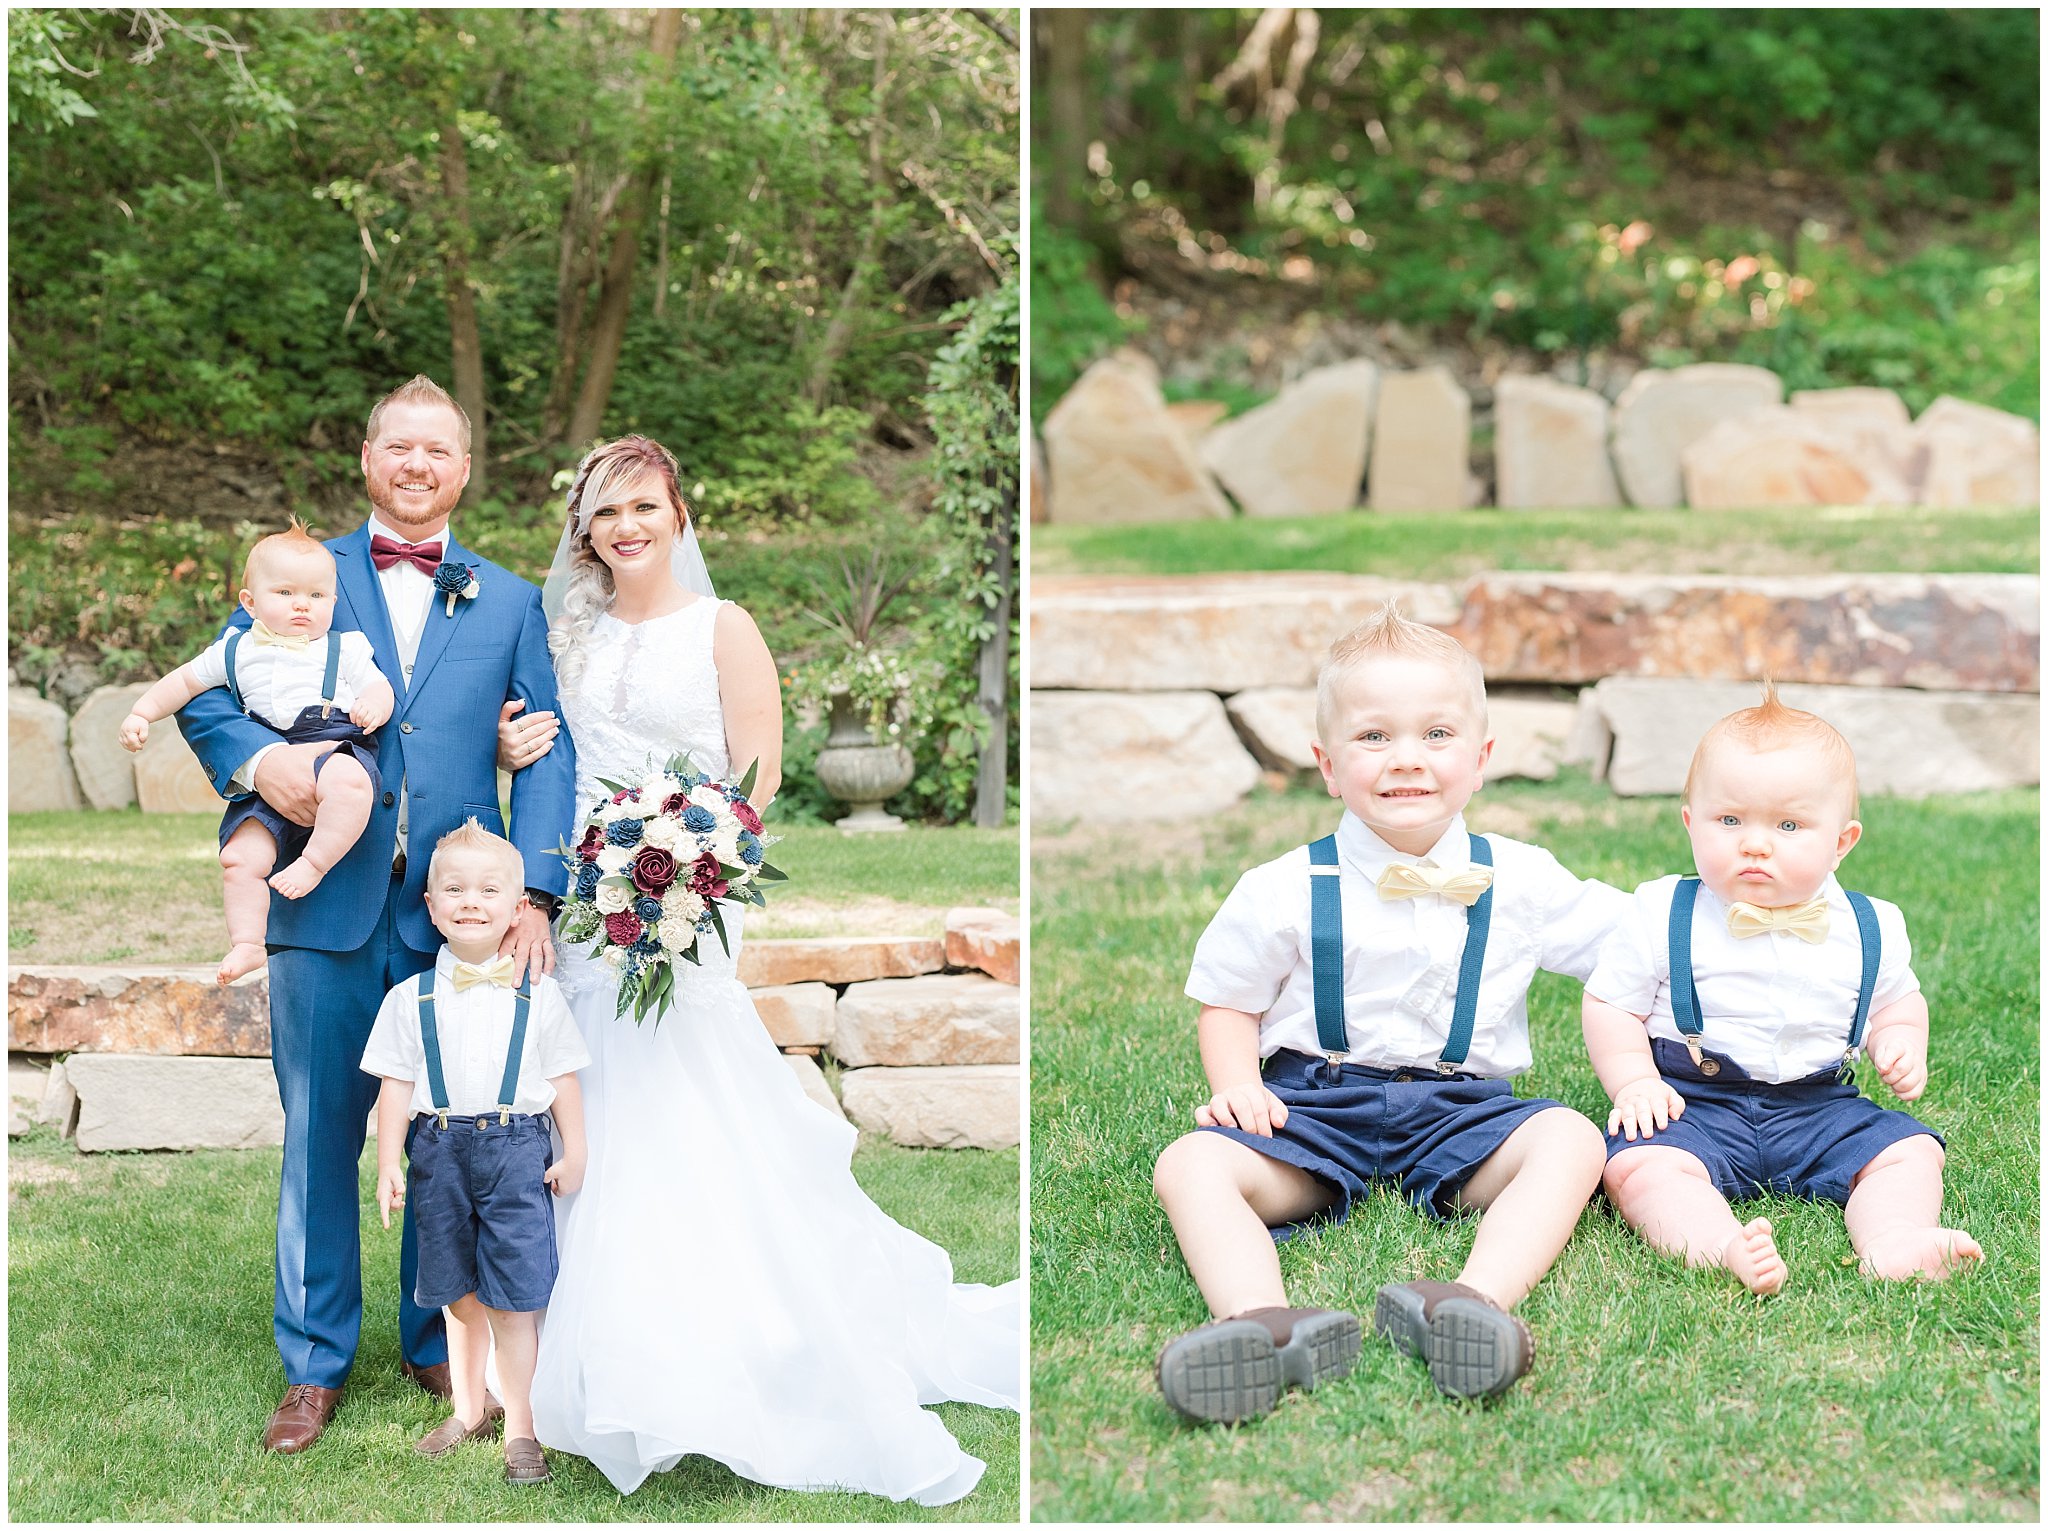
(1473, 1347)
(1237, 1368)
(299, 1418)
(451, 1432)
(524, 1462)
(1400, 1313)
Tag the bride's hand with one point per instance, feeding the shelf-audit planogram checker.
(522, 741)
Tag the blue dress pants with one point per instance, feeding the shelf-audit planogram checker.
(322, 1005)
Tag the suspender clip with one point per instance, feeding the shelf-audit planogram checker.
(444, 1119)
(1445, 1067)
(504, 1116)
(1692, 1045)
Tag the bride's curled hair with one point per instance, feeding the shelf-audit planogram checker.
(608, 470)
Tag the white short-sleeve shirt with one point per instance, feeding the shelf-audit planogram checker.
(278, 684)
(474, 1029)
(1401, 957)
(1778, 1005)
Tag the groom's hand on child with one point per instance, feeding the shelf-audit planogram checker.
(284, 778)
(1248, 1107)
(528, 944)
(564, 1176)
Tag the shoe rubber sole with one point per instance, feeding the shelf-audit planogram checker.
(1474, 1349)
(1232, 1370)
(1397, 1317)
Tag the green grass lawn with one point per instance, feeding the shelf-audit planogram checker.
(60, 866)
(1458, 545)
(141, 1368)
(1658, 1393)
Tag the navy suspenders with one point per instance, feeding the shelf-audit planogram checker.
(327, 680)
(437, 1086)
(1326, 955)
(1685, 994)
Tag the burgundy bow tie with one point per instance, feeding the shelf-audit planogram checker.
(423, 556)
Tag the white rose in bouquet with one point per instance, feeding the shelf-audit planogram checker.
(662, 832)
(614, 859)
(612, 899)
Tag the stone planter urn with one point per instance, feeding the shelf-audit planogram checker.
(860, 772)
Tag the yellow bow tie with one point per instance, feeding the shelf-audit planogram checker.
(1406, 879)
(498, 971)
(263, 638)
(1808, 921)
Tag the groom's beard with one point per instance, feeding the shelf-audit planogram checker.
(403, 518)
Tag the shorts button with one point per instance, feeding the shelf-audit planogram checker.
(1402, 1076)
(1709, 1067)
(389, 799)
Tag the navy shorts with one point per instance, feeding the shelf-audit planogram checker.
(309, 728)
(1808, 1137)
(1353, 1125)
(486, 1222)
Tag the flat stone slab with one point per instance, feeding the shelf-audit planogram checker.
(40, 778)
(1215, 632)
(1939, 632)
(796, 1014)
(160, 1010)
(975, 1107)
(987, 939)
(1422, 434)
(1303, 453)
(1116, 455)
(143, 1102)
(1119, 755)
(838, 959)
(1778, 456)
(106, 771)
(169, 777)
(812, 1078)
(1972, 454)
(941, 1018)
(1661, 413)
(1550, 446)
(1960, 741)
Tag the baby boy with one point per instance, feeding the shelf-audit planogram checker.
(1363, 1010)
(472, 1069)
(1760, 979)
(311, 684)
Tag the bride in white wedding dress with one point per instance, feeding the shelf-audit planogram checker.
(726, 1288)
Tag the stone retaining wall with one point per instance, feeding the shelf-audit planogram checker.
(1186, 691)
(926, 1034)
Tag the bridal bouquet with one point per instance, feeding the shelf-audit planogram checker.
(658, 861)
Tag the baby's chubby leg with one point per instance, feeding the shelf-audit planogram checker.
(1222, 1198)
(1533, 1188)
(245, 861)
(1667, 1196)
(1894, 1215)
(342, 791)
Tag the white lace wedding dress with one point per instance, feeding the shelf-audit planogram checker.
(726, 1288)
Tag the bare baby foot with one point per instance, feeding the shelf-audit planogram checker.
(1933, 1253)
(243, 957)
(1752, 1256)
(298, 879)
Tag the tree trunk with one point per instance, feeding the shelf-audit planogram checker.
(991, 780)
(1066, 128)
(840, 331)
(615, 295)
(465, 341)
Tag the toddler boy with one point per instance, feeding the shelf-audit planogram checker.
(290, 671)
(1363, 1006)
(1760, 979)
(477, 1066)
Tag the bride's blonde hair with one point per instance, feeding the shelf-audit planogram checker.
(609, 466)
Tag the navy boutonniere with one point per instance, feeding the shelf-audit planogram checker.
(453, 579)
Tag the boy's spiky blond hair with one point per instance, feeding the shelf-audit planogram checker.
(296, 538)
(1771, 725)
(1385, 632)
(472, 836)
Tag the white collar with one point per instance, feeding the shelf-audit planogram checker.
(1357, 844)
(379, 529)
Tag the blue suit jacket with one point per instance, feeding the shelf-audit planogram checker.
(441, 742)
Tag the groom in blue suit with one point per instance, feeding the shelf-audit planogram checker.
(459, 638)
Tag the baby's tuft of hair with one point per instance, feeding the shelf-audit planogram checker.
(1771, 725)
(297, 539)
(472, 836)
(1387, 632)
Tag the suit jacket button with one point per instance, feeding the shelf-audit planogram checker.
(389, 799)
(405, 728)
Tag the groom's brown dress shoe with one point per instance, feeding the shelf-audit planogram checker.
(434, 1379)
(300, 1417)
